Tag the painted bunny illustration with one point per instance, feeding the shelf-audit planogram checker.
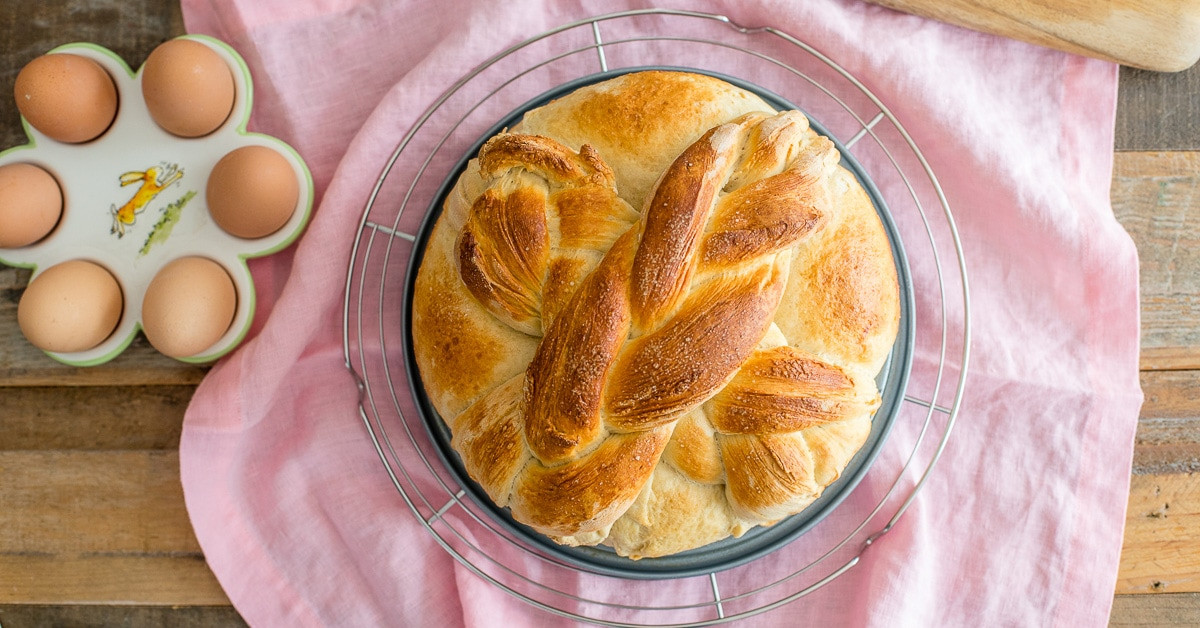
(154, 180)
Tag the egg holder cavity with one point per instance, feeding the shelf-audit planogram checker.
(174, 224)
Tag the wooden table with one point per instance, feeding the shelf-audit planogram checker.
(93, 529)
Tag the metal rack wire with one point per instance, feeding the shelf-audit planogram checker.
(374, 336)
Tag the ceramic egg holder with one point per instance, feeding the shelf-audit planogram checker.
(174, 224)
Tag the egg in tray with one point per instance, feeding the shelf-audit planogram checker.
(139, 198)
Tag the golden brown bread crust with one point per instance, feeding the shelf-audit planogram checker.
(652, 314)
(640, 122)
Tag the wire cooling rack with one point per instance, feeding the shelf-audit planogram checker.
(374, 325)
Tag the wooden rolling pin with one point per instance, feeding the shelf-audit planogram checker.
(1161, 35)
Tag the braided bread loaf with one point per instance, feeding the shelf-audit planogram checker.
(652, 314)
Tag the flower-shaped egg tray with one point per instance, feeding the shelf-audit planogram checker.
(171, 219)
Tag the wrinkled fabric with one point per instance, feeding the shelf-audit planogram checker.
(1020, 522)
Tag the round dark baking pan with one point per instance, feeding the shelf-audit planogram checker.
(729, 552)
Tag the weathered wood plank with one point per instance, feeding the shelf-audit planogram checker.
(108, 579)
(1157, 111)
(1168, 434)
(139, 365)
(66, 503)
(1155, 611)
(92, 417)
(1169, 358)
(1160, 554)
(27, 615)
(1155, 197)
(107, 527)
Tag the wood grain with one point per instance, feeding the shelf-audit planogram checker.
(70, 503)
(1156, 611)
(100, 579)
(92, 417)
(1159, 554)
(107, 526)
(1168, 434)
(87, 616)
(1162, 35)
(1157, 111)
(1155, 197)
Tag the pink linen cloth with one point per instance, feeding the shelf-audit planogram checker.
(1021, 522)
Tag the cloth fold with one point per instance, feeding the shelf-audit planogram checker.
(1020, 523)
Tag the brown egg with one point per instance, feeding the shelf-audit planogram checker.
(72, 306)
(68, 97)
(30, 204)
(188, 306)
(188, 88)
(252, 192)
